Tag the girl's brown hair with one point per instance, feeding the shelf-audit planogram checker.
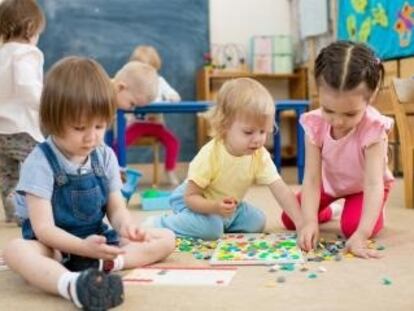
(76, 90)
(147, 54)
(20, 19)
(343, 65)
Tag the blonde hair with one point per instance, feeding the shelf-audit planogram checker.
(140, 78)
(147, 54)
(76, 89)
(240, 98)
(20, 19)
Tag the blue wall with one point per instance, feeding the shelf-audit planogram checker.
(108, 30)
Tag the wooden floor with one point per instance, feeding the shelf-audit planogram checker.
(351, 284)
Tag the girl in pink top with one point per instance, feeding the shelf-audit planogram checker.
(346, 148)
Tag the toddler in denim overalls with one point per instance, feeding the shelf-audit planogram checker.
(79, 203)
(68, 185)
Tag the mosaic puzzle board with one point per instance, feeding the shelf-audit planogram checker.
(257, 249)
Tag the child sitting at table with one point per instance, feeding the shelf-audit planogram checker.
(154, 125)
(136, 85)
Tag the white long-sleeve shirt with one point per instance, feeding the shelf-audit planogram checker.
(21, 83)
(166, 92)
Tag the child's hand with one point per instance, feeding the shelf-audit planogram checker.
(133, 233)
(358, 246)
(227, 207)
(97, 248)
(308, 236)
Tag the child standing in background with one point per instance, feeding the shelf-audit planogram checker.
(209, 203)
(21, 80)
(346, 148)
(153, 125)
(68, 184)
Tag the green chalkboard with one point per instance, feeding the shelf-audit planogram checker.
(108, 30)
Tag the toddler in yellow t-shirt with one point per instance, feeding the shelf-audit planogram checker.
(210, 202)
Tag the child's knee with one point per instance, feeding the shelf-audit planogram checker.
(213, 230)
(348, 227)
(13, 248)
(169, 240)
(259, 223)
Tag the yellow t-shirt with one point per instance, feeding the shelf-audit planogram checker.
(221, 174)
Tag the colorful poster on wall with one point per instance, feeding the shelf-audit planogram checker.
(385, 25)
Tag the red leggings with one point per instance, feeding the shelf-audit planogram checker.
(159, 131)
(351, 214)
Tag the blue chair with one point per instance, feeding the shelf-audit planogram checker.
(299, 106)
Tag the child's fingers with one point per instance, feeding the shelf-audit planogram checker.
(112, 251)
(369, 253)
(132, 232)
(306, 243)
(140, 235)
(361, 253)
(315, 241)
(230, 201)
(98, 239)
(374, 254)
(310, 242)
(301, 242)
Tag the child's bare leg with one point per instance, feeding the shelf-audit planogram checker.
(90, 289)
(138, 254)
(35, 263)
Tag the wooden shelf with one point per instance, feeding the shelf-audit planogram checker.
(229, 75)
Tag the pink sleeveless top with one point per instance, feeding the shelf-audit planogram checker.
(343, 159)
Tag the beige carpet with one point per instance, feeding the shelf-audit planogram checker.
(351, 284)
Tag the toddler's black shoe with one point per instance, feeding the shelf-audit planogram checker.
(98, 291)
(77, 263)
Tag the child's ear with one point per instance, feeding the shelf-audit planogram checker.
(120, 86)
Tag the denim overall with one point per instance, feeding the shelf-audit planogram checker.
(78, 201)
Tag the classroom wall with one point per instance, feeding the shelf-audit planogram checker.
(236, 21)
(230, 21)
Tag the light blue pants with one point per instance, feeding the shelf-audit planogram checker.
(185, 222)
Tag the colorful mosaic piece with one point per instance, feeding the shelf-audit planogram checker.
(328, 250)
(199, 248)
(257, 249)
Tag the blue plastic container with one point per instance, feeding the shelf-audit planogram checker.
(157, 200)
(130, 186)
